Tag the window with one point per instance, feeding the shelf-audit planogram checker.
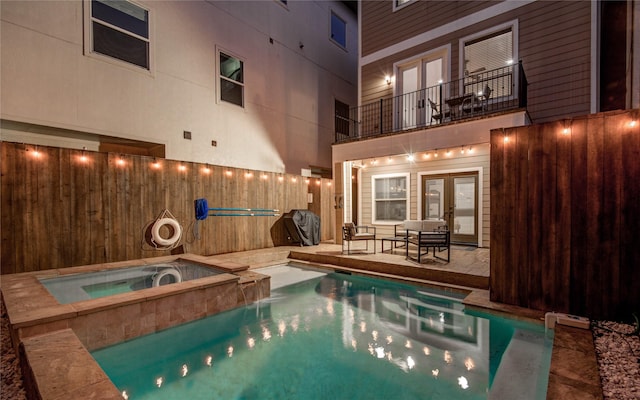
(338, 30)
(397, 4)
(390, 198)
(231, 79)
(120, 29)
(488, 52)
(341, 119)
(489, 61)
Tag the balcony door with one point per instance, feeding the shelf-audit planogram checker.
(454, 198)
(419, 81)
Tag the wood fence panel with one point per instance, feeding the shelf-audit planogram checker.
(613, 173)
(580, 211)
(497, 236)
(538, 189)
(593, 224)
(628, 284)
(58, 210)
(8, 193)
(558, 272)
(573, 197)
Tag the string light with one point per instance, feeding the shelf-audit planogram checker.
(435, 154)
(120, 160)
(182, 168)
(294, 179)
(228, 173)
(248, 175)
(206, 169)
(264, 177)
(462, 150)
(280, 179)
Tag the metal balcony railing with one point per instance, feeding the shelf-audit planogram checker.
(478, 94)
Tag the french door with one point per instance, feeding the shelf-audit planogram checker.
(454, 198)
(419, 82)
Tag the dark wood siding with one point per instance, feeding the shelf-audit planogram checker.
(554, 40)
(57, 211)
(565, 216)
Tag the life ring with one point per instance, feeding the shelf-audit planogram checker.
(168, 271)
(155, 232)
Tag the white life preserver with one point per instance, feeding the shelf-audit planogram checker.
(155, 232)
(165, 272)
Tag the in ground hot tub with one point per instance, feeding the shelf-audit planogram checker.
(109, 303)
(92, 285)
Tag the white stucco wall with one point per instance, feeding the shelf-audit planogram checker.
(287, 123)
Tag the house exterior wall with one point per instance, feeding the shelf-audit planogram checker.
(553, 39)
(293, 74)
(478, 161)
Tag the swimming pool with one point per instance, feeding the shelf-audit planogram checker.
(336, 336)
(84, 286)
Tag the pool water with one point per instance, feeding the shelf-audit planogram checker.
(337, 336)
(91, 285)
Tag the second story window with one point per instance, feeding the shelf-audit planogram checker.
(231, 79)
(488, 52)
(120, 29)
(489, 62)
(338, 30)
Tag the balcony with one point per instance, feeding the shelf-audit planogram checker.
(477, 95)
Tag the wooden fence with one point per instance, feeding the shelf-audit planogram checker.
(63, 207)
(565, 215)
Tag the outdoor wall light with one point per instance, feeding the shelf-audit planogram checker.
(387, 79)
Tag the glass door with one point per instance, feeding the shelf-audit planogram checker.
(419, 80)
(408, 105)
(432, 70)
(454, 198)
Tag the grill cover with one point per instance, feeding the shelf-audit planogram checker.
(303, 226)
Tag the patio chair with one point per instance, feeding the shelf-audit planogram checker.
(478, 104)
(354, 233)
(437, 115)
